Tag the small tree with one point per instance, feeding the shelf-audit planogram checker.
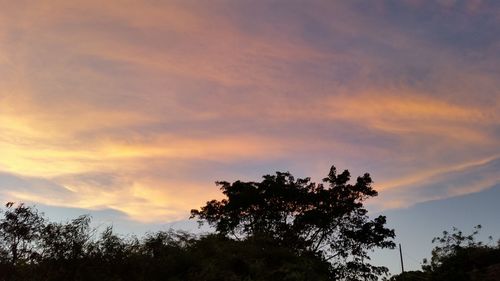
(452, 244)
(20, 229)
(459, 256)
(326, 219)
(66, 240)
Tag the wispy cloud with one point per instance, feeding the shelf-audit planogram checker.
(447, 182)
(139, 107)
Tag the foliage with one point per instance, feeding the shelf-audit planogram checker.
(259, 258)
(458, 257)
(326, 219)
(20, 226)
(74, 251)
(65, 241)
(411, 276)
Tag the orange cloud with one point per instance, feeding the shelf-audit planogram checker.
(121, 89)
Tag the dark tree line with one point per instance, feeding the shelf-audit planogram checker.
(281, 228)
(32, 248)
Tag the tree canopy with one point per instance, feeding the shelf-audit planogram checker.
(326, 219)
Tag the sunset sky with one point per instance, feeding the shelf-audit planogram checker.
(133, 109)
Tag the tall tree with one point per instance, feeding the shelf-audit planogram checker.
(327, 219)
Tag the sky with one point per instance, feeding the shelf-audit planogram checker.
(131, 110)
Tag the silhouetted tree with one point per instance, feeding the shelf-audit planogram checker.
(450, 245)
(66, 240)
(20, 229)
(326, 219)
(458, 257)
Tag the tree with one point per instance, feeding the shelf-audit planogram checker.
(451, 244)
(20, 229)
(458, 257)
(66, 240)
(326, 219)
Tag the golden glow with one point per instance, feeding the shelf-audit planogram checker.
(140, 106)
